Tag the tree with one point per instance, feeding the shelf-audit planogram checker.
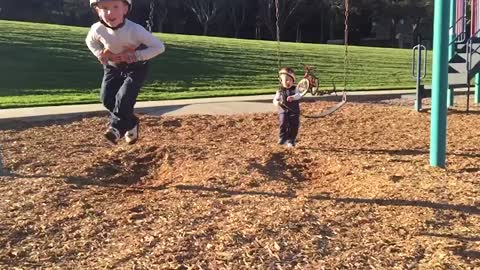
(206, 11)
(237, 10)
(268, 11)
(153, 12)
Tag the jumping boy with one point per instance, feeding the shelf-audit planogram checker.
(287, 100)
(123, 48)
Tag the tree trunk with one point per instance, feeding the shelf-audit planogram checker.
(161, 20)
(393, 33)
(205, 29)
(299, 33)
(322, 26)
(331, 28)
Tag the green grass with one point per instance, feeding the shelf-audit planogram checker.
(45, 64)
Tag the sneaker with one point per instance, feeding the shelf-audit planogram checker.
(290, 145)
(282, 141)
(131, 136)
(112, 134)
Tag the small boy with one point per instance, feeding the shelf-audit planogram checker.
(287, 100)
(123, 48)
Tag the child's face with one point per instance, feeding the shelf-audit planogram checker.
(112, 12)
(286, 80)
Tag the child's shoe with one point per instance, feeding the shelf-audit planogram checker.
(291, 144)
(112, 134)
(131, 136)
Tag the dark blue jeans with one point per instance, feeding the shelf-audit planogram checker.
(120, 88)
(289, 125)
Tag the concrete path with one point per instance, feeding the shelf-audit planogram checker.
(213, 106)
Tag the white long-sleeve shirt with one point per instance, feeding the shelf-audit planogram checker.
(129, 36)
(278, 97)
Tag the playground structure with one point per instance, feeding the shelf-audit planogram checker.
(463, 55)
(455, 61)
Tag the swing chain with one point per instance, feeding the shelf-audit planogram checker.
(277, 17)
(345, 60)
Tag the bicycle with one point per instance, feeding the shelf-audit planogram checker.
(310, 83)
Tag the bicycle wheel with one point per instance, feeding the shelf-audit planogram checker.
(303, 86)
(316, 88)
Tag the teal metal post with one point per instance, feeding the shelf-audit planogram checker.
(438, 128)
(453, 45)
(1, 164)
(477, 77)
(477, 89)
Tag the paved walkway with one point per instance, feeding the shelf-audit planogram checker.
(213, 106)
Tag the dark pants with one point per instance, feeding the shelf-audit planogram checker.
(120, 88)
(289, 124)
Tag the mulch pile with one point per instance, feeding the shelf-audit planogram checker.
(216, 192)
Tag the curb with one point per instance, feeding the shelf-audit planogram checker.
(69, 112)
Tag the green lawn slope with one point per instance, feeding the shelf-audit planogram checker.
(45, 64)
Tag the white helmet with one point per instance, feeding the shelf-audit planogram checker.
(287, 71)
(94, 2)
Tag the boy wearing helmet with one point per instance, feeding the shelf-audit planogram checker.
(123, 48)
(287, 100)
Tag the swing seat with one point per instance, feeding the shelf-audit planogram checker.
(330, 110)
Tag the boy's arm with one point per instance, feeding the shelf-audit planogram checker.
(297, 95)
(276, 99)
(154, 46)
(94, 44)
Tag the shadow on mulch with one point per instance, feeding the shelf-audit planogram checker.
(453, 236)
(468, 209)
(400, 152)
(466, 254)
(226, 192)
(21, 125)
(45, 121)
(277, 167)
(80, 182)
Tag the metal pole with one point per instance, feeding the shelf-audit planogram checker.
(452, 48)
(477, 89)
(1, 164)
(420, 89)
(438, 128)
(477, 77)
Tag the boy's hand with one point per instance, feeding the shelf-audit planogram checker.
(103, 58)
(129, 57)
(290, 98)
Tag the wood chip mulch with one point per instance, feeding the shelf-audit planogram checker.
(216, 192)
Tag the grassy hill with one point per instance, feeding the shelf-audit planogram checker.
(45, 64)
